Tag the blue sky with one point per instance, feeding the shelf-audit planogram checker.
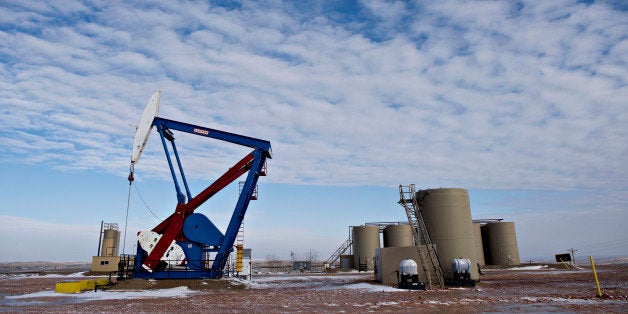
(522, 103)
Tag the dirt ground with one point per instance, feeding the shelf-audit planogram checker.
(545, 290)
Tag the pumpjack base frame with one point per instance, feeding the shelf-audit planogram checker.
(174, 272)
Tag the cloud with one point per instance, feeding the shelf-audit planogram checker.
(481, 95)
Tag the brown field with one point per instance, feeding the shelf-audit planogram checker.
(545, 290)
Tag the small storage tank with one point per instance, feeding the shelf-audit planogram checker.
(110, 241)
(447, 215)
(479, 248)
(502, 241)
(409, 276)
(408, 267)
(365, 242)
(398, 235)
(461, 265)
(346, 262)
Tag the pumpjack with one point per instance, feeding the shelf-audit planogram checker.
(188, 244)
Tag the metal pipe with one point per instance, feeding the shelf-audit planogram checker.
(180, 196)
(185, 182)
(102, 222)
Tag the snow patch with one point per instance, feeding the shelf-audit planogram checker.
(535, 267)
(436, 302)
(368, 287)
(74, 275)
(561, 300)
(177, 292)
(388, 303)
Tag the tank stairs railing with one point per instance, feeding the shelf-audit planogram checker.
(334, 259)
(414, 210)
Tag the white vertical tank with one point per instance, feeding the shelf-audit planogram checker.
(447, 215)
(365, 243)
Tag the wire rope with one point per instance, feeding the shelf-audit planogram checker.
(126, 218)
(143, 201)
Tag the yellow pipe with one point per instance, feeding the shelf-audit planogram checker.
(597, 283)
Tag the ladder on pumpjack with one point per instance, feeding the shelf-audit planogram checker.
(333, 259)
(240, 236)
(414, 211)
(239, 248)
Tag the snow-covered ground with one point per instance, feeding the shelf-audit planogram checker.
(535, 267)
(502, 290)
(111, 294)
(315, 282)
(22, 276)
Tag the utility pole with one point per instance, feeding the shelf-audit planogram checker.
(573, 257)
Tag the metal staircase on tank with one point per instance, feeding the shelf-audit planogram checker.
(335, 257)
(429, 258)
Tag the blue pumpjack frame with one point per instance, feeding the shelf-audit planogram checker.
(261, 151)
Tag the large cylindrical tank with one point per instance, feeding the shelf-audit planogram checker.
(479, 248)
(447, 215)
(502, 241)
(398, 235)
(365, 242)
(110, 242)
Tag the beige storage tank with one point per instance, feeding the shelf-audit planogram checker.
(447, 215)
(502, 242)
(365, 243)
(110, 242)
(398, 235)
(479, 248)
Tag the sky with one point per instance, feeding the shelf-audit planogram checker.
(524, 104)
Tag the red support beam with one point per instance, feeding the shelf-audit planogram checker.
(171, 227)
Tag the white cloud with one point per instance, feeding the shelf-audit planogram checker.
(494, 96)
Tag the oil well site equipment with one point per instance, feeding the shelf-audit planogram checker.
(188, 244)
(447, 246)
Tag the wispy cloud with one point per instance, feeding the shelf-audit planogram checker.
(481, 94)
